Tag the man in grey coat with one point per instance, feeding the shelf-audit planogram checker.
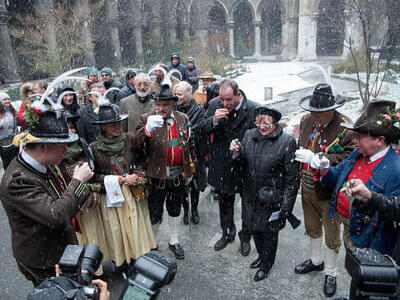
(137, 104)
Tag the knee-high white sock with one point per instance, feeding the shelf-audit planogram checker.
(316, 251)
(174, 229)
(331, 259)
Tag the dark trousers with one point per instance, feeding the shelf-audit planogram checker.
(226, 204)
(247, 212)
(173, 192)
(194, 198)
(266, 245)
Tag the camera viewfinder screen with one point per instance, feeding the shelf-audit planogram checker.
(134, 294)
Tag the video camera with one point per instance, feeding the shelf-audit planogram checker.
(373, 275)
(153, 271)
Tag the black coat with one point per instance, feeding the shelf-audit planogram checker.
(86, 129)
(196, 115)
(389, 210)
(113, 95)
(267, 162)
(126, 91)
(220, 174)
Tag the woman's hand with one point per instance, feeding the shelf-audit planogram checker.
(130, 179)
(121, 179)
(235, 147)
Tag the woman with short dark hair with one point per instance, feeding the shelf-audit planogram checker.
(266, 158)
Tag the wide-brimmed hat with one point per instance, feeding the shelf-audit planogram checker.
(208, 75)
(165, 94)
(321, 100)
(263, 110)
(51, 128)
(372, 120)
(109, 113)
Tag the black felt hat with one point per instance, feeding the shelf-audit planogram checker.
(263, 110)
(109, 113)
(321, 100)
(51, 127)
(165, 94)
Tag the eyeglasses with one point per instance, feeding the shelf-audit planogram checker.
(105, 75)
(265, 124)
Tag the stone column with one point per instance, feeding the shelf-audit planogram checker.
(353, 32)
(289, 38)
(257, 38)
(308, 13)
(231, 39)
(8, 65)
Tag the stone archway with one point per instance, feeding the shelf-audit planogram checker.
(271, 27)
(218, 29)
(330, 28)
(243, 29)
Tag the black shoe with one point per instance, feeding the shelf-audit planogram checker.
(245, 248)
(330, 285)
(307, 267)
(186, 218)
(260, 275)
(178, 250)
(255, 264)
(195, 216)
(223, 242)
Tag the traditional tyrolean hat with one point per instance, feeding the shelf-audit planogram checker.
(377, 119)
(321, 100)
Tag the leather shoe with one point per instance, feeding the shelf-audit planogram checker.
(307, 267)
(330, 285)
(195, 216)
(255, 264)
(260, 275)
(244, 248)
(186, 218)
(178, 250)
(223, 242)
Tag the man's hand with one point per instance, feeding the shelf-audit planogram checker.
(219, 114)
(235, 148)
(153, 122)
(82, 172)
(104, 293)
(357, 189)
(319, 162)
(304, 155)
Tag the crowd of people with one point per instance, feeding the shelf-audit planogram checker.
(98, 165)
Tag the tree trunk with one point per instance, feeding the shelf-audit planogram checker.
(8, 65)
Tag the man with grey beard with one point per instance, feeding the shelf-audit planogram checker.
(137, 104)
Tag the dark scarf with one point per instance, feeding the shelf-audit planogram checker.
(111, 147)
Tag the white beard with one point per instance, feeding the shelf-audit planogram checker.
(142, 94)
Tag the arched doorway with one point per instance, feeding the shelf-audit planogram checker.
(243, 30)
(271, 30)
(330, 29)
(217, 29)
